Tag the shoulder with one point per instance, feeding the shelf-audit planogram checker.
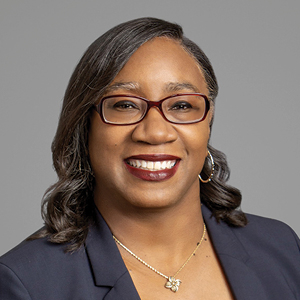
(36, 254)
(271, 245)
(261, 231)
(262, 240)
(30, 252)
(35, 267)
(260, 234)
(265, 251)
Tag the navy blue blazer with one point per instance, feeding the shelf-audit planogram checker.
(261, 261)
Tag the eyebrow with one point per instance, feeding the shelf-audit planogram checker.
(134, 86)
(178, 86)
(129, 86)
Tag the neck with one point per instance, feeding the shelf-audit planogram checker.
(161, 231)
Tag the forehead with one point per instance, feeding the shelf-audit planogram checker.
(159, 63)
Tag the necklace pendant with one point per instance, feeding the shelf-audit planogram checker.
(173, 284)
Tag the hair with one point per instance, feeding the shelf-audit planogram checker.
(68, 207)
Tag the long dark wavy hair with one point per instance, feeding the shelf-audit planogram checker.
(68, 207)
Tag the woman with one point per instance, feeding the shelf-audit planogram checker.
(141, 209)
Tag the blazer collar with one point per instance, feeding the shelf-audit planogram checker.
(234, 258)
(107, 264)
(223, 238)
(109, 269)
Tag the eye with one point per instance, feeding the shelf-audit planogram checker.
(123, 105)
(181, 105)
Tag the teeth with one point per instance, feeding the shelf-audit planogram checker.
(152, 165)
(157, 165)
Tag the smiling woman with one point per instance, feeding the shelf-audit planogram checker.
(159, 63)
(141, 197)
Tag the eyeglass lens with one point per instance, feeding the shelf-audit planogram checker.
(129, 110)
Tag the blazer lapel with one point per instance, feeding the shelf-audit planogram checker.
(110, 272)
(245, 284)
(107, 265)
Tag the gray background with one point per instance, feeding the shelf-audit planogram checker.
(254, 47)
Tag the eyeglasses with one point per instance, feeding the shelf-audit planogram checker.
(177, 109)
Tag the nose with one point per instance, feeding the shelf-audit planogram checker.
(154, 129)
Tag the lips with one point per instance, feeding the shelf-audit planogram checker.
(155, 167)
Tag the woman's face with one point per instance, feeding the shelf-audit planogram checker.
(159, 68)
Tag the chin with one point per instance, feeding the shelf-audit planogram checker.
(158, 202)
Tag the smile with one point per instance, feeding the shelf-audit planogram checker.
(151, 165)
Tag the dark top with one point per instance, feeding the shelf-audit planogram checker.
(261, 261)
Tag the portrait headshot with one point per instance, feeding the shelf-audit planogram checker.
(172, 132)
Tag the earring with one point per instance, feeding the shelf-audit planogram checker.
(211, 172)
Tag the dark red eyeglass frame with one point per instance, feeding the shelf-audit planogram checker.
(151, 104)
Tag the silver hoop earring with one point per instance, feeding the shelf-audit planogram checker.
(211, 172)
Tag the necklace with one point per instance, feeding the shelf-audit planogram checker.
(172, 283)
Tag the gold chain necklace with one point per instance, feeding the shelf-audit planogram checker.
(172, 283)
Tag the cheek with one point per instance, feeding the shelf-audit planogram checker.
(105, 144)
(198, 137)
(195, 139)
(99, 143)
